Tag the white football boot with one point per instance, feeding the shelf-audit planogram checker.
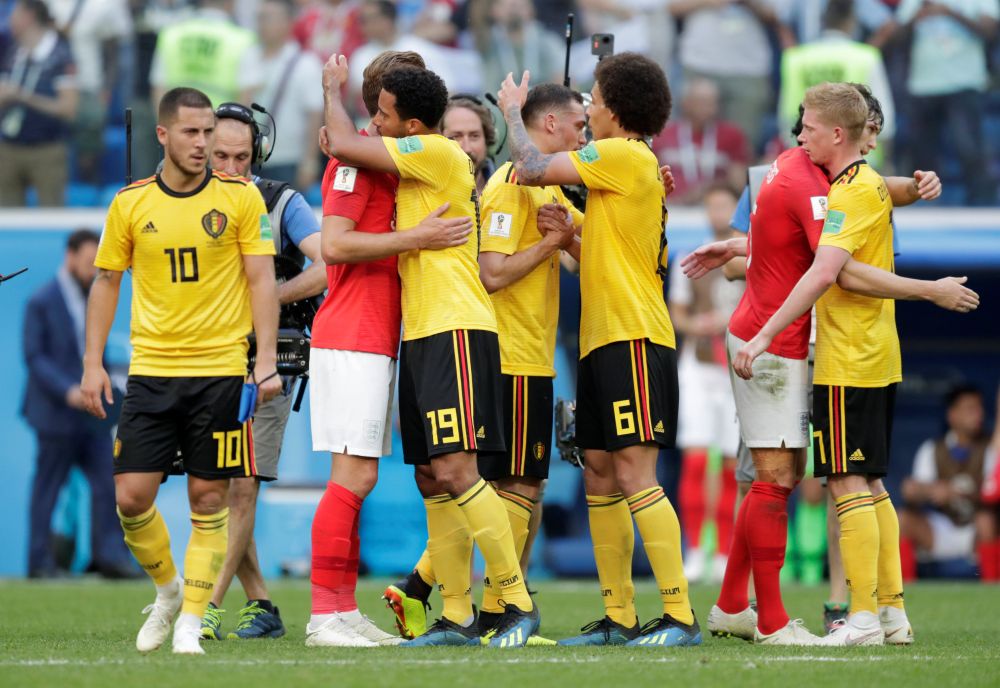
(895, 625)
(334, 632)
(187, 635)
(162, 613)
(741, 625)
(859, 628)
(792, 633)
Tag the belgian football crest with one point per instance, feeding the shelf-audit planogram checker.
(214, 223)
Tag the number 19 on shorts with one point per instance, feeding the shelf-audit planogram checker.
(444, 425)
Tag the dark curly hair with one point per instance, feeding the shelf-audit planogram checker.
(635, 89)
(420, 94)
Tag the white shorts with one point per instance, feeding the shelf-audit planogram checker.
(707, 413)
(950, 541)
(350, 399)
(773, 406)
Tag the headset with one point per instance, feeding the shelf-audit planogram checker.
(264, 135)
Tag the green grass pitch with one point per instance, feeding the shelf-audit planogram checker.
(82, 633)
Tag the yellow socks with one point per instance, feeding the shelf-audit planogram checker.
(147, 537)
(491, 529)
(890, 570)
(425, 569)
(206, 551)
(519, 510)
(859, 548)
(613, 538)
(661, 538)
(449, 549)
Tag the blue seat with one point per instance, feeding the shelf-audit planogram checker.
(79, 195)
(314, 195)
(113, 156)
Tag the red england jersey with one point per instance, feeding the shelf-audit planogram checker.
(785, 226)
(362, 307)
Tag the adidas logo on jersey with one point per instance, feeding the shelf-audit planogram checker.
(150, 228)
(658, 427)
(856, 456)
(481, 433)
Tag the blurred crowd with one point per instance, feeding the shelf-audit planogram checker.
(69, 68)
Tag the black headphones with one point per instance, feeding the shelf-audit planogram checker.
(263, 135)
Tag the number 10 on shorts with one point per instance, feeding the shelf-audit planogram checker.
(230, 446)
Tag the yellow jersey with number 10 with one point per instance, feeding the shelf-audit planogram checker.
(621, 293)
(441, 289)
(190, 298)
(856, 340)
(527, 310)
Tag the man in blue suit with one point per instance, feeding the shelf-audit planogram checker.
(53, 406)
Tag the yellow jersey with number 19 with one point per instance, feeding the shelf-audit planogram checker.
(527, 310)
(190, 298)
(856, 340)
(441, 289)
(621, 293)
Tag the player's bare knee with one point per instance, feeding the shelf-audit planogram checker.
(522, 485)
(243, 492)
(876, 487)
(133, 503)
(208, 496)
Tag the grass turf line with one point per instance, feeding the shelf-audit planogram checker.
(82, 634)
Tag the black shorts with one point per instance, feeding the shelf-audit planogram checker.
(527, 422)
(626, 394)
(197, 415)
(449, 395)
(852, 427)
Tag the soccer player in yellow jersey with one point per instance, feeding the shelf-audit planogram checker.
(519, 266)
(627, 379)
(857, 365)
(200, 249)
(449, 377)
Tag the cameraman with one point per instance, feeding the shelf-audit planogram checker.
(238, 145)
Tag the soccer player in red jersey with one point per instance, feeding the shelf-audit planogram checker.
(773, 407)
(355, 340)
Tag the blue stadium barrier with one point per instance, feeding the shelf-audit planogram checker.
(938, 349)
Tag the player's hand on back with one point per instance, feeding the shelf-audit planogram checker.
(668, 180)
(96, 382)
(928, 184)
(706, 258)
(324, 141)
(436, 232)
(950, 294)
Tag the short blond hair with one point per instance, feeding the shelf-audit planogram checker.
(384, 62)
(839, 105)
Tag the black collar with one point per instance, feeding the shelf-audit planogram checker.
(848, 169)
(184, 194)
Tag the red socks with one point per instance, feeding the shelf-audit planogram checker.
(989, 561)
(767, 534)
(724, 509)
(692, 495)
(733, 596)
(335, 551)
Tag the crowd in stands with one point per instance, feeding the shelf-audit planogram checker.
(69, 68)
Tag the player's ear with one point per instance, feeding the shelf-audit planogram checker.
(161, 134)
(413, 126)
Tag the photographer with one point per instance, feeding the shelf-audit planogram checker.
(238, 145)
(944, 518)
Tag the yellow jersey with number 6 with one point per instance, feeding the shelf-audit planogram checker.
(441, 288)
(621, 293)
(190, 297)
(856, 340)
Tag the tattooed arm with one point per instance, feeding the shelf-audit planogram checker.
(534, 168)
